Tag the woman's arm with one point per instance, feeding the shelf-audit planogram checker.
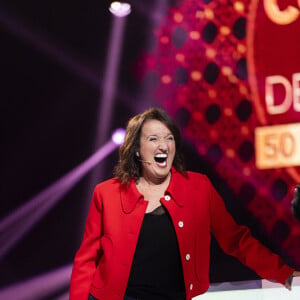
(85, 260)
(238, 241)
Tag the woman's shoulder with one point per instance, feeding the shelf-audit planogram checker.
(191, 177)
(108, 184)
(197, 175)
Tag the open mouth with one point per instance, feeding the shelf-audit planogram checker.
(161, 158)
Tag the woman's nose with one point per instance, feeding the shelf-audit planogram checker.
(163, 144)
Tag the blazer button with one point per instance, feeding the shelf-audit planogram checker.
(167, 197)
(180, 224)
(191, 286)
(188, 256)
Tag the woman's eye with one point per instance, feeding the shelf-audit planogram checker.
(153, 139)
(171, 138)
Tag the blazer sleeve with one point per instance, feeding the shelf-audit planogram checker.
(85, 260)
(237, 241)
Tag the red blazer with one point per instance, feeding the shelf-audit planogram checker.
(102, 263)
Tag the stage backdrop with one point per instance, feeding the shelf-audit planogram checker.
(229, 72)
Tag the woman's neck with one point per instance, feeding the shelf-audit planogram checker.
(154, 182)
(153, 191)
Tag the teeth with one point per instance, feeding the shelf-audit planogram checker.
(161, 158)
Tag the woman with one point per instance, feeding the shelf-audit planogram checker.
(147, 234)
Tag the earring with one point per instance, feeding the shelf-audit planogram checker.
(137, 154)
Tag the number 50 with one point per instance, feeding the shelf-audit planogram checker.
(278, 145)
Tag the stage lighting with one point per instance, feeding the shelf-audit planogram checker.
(118, 136)
(120, 9)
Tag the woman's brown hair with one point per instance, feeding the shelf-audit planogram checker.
(129, 166)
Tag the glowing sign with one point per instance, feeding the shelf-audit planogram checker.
(292, 94)
(278, 16)
(273, 60)
(277, 146)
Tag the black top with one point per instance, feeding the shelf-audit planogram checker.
(156, 271)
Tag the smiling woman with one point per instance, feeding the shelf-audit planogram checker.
(147, 234)
(157, 146)
(138, 136)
